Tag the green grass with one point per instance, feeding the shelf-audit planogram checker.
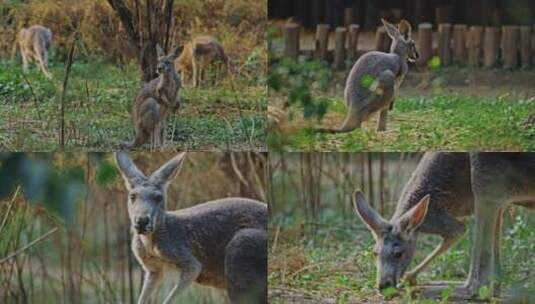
(99, 101)
(335, 262)
(442, 122)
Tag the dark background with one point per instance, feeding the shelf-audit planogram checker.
(367, 13)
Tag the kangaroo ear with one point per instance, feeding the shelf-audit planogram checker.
(391, 29)
(370, 217)
(129, 171)
(169, 171)
(159, 51)
(413, 218)
(405, 29)
(176, 52)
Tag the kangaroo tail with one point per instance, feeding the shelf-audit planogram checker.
(353, 121)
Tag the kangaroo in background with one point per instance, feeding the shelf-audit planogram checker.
(221, 243)
(374, 80)
(155, 101)
(443, 188)
(197, 55)
(34, 44)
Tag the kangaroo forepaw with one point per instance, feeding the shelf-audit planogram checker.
(410, 278)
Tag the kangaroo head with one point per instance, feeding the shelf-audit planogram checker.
(147, 196)
(395, 240)
(166, 62)
(402, 42)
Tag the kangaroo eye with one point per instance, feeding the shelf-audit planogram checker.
(158, 198)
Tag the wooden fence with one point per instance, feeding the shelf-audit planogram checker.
(509, 46)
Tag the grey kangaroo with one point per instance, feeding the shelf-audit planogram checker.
(221, 243)
(444, 188)
(155, 101)
(375, 78)
(34, 44)
(197, 55)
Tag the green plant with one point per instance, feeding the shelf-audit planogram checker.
(296, 79)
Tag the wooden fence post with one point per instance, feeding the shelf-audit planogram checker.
(475, 45)
(443, 14)
(425, 43)
(444, 43)
(348, 16)
(382, 40)
(322, 41)
(291, 40)
(340, 48)
(510, 42)
(491, 45)
(525, 46)
(352, 41)
(459, 43)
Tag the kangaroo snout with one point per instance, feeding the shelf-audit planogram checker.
(385, 283)
(142, 224)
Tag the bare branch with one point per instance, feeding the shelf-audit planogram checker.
(28, 246)
(127, 19)
(9, 208)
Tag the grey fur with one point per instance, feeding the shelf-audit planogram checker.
(155, 101)
(455, 183)
(221, 243)
(374, 80)
(34, 44)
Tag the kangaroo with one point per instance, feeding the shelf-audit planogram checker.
(375, 78)
(155, 101)
(444, 188)
(197, 55)
(34, 44)
(221, 243)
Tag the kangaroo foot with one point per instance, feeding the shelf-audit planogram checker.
(457, 290)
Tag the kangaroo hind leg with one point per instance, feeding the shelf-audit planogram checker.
(246, 267)
(383, 92)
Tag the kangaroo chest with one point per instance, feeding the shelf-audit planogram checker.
(169, 88)
(150, 254)
(147, 251)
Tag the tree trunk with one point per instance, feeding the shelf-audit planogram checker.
(146, 30)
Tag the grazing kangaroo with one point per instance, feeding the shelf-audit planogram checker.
(374, 80)
(156, 100)
(34, 44)
(197, 55)
(443, 188)
(221, 243)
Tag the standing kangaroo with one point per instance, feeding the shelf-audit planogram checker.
(197, 55)
(221, 243)
(34, 44)
(374, 80)
(155, 101)
(443, 188)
